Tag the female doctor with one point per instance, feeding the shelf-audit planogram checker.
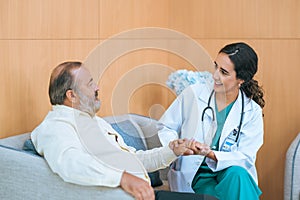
(226, 124)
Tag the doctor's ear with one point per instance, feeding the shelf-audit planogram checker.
(240, 82)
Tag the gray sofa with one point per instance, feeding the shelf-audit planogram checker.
(292, 171)
(25, 175)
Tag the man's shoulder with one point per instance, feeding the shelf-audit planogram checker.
(100, 119)
(55, 119)
(102, 122)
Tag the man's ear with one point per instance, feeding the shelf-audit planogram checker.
(70, 95)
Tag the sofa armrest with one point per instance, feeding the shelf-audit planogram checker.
(24, 176)
(292, 171)
(16, 141)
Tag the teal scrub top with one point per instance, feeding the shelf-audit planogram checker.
(221, 118)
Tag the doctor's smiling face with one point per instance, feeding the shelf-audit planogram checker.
(225, 80)
(87, 91)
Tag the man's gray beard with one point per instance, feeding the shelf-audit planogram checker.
(87, 104)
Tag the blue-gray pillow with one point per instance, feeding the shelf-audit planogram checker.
(129, 134)
(29, 147)
(132, 138)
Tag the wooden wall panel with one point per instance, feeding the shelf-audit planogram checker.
(127, 71)
(151, 100)
(35, 19)
(131, 14)
(144, 74)
(236, 19)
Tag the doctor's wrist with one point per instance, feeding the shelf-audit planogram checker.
(211, 155)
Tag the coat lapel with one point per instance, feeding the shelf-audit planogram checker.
(234, 116)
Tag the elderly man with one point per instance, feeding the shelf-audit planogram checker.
(63, 139)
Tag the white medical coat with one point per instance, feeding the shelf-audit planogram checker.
(183, 120)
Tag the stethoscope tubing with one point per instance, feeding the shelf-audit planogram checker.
(208, 107)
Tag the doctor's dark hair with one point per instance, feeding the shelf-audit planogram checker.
(245, 62)
(61, 81)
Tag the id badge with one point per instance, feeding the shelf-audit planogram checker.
(229, 143)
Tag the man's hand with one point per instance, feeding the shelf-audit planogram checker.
(137, 187)
(180, 147)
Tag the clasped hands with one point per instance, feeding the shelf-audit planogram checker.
(189, 147)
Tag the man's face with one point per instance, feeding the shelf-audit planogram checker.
(87, 91)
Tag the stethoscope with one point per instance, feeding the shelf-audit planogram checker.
(208, 107)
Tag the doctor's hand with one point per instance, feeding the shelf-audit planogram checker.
(137, 187)
(180, 147)
(199, 148)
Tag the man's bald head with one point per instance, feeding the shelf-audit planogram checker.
(61, 81)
